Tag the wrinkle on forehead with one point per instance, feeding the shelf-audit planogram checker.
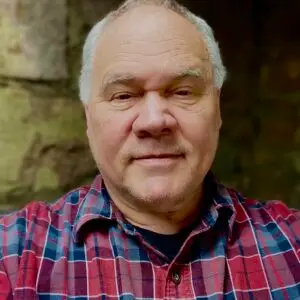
(111, 78)
(150, 40)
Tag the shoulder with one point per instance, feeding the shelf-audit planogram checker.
(32, 221)
(271, 219)
(276, 217)
(263, 212)
(26, 233)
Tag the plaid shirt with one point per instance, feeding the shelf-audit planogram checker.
(82, 248)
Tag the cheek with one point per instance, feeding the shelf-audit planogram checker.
(201, 131)
(203, 137)
(108, 132)
(200, 123)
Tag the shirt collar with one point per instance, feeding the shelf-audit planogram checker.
(218, 204)
(224, 201)
(95, 205)
(98, 205)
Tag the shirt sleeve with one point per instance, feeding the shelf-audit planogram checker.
(10, 243)
(5, 286)
(288, 221)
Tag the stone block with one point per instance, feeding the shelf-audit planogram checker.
(33, 39)
(43, 148)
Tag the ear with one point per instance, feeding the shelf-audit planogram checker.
(219, 117)
(86, 110)
(87, 117)
(220, 123)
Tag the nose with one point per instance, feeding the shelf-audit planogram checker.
(154, 118)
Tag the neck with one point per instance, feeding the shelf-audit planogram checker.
(164, 222)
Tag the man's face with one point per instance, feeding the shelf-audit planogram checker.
(153, 118)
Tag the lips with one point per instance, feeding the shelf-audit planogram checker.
(159, 156)
(161, 162)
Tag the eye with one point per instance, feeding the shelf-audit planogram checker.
(183, 92)
(122, 96)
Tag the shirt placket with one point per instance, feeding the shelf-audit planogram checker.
(179, 283)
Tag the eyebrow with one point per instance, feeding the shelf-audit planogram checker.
(127, 78)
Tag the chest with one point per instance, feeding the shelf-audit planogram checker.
(111, 267)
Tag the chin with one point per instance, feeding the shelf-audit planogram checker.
(159, 203)
(160, 192)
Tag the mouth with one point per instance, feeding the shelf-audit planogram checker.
(159, 156)
(158, 160)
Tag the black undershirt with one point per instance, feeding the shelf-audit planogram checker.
(170, 244)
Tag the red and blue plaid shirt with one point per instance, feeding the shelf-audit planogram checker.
(82, 248)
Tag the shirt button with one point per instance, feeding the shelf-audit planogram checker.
(176, 277)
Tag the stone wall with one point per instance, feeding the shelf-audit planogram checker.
(43, 149)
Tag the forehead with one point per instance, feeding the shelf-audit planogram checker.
(150, 40)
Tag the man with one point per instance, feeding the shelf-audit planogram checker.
(155, 224)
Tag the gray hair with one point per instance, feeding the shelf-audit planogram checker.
(90, 44)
